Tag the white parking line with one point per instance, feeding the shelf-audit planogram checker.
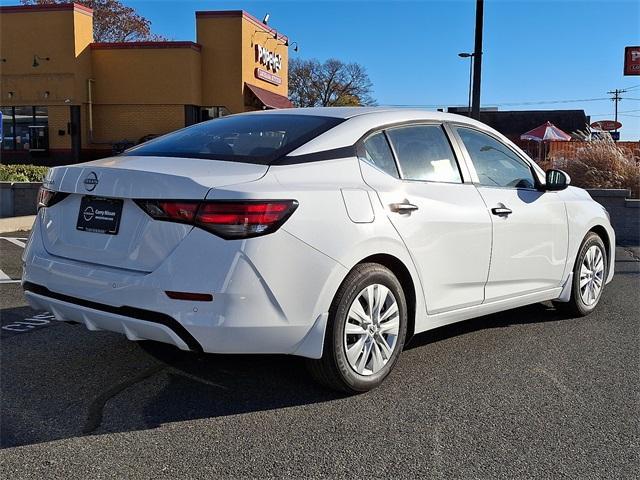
(16, 241)
(20, 242)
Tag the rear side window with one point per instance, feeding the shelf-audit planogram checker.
(378, 153)
(257, 138)
(424, 153)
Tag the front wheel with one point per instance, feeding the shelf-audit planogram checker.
(365, 333)
(589, 275)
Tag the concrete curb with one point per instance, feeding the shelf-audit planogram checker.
(14, 224)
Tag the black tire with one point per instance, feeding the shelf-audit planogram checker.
(576, 307)
(333, 369)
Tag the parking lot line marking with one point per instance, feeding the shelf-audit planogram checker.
(16, 241)
(4, 278)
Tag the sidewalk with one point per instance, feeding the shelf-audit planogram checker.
(14, 224)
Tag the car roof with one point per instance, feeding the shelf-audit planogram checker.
(376, 115)
(350, 112)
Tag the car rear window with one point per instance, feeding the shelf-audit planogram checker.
(257, 138)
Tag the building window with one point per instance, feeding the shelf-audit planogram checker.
(8, 135)
(209, 113)
(25, 128)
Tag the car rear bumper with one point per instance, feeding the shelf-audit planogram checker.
(157, 326)
(268, 294)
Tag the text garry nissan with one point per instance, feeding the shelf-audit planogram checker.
(332, 233)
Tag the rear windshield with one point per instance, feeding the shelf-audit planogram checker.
(257, 138)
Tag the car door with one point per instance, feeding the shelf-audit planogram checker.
(436, 209)
(530, 229)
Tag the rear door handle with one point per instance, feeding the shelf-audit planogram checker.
(403, 208)
(501, 211)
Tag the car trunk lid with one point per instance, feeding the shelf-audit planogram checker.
(140, 243)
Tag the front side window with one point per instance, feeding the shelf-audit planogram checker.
(495, 163)
(251, 138)
(424, 153)
(378, 153)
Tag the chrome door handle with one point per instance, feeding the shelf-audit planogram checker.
(403, 208)
(501, 211)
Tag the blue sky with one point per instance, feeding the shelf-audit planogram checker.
(534, 51)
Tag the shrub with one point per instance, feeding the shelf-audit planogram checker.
(22, 173)
(600, 163)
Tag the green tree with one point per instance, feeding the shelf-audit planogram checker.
(329, 84)
(112, 20)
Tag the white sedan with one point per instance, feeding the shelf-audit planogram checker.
(334, 234)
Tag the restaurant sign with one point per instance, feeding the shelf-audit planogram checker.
(632, 60)
(268, 76)
(271, 60)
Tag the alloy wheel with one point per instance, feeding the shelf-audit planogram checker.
(371, 329)
(592, 275)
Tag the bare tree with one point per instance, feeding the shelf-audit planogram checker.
(112, 20)
(332, 83)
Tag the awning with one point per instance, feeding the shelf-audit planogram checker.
(269, 99)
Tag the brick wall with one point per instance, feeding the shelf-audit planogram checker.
(114, 123)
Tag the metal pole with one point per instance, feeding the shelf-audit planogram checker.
(616, 98)
(477, 60)
(470, 82)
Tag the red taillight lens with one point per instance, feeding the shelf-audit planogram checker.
(183, 211)
(48, 198)
(227, 219)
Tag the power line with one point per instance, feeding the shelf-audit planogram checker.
(548, 102)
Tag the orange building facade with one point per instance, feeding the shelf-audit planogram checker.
(65, 98)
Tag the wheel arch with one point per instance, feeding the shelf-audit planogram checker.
(604, 235)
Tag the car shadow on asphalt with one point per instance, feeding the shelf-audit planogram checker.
(168, 385)
(536, 313)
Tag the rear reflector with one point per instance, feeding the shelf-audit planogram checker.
(197, 297)
(226, 218)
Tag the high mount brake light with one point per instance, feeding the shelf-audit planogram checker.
(48, 198)
(228, 219)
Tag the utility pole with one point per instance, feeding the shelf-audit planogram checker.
(616, 98)
(477, 60)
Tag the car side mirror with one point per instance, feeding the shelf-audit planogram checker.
(557, 180)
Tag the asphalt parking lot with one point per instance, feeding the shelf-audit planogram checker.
(521, 394)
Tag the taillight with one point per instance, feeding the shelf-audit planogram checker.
(228, 219)
(48, 198)
(182, 211)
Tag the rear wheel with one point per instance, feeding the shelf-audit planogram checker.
(365, 332)
(589, 275)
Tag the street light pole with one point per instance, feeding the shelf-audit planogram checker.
(477, 60)
(470, 57)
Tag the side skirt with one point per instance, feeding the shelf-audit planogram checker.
(446, 318)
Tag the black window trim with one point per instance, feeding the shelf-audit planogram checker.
(409, 123)
(361, 153)
(454, 126)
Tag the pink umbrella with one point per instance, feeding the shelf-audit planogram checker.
(545, 132)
